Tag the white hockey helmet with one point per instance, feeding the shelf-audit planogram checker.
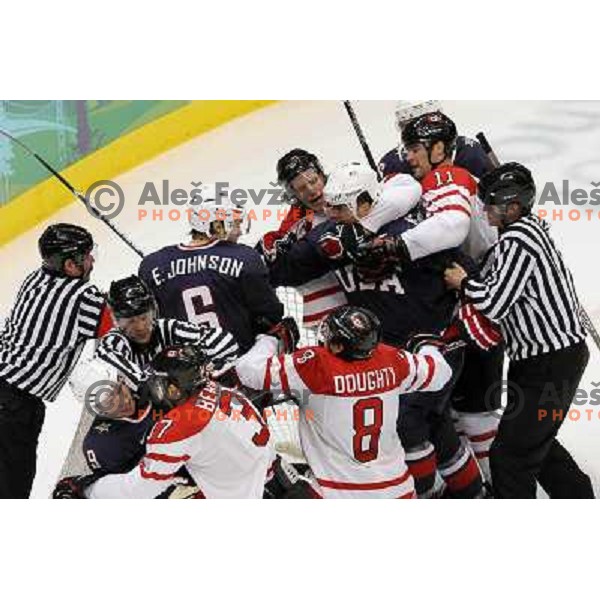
(411, 109)
(98, 385)
(348, 182)
(208, 207)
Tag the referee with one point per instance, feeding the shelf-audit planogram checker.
(529, 291)
(56, 311)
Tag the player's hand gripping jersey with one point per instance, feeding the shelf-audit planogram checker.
(216, 434)
(349, 411)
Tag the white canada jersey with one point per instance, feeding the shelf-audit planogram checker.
(217, 435)
(453, 216)
(399, 195)
(348, 411)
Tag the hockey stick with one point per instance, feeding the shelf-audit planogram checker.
(361, 137)
(77, 194)
(585, 317)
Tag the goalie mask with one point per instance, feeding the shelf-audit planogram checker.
(358, 330)
(175, 374)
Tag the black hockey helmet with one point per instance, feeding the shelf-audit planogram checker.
(175, 374)
(294, 162)
(130, 297)
(510, 182)
(357, 329)
(62, 241)
(431, 128)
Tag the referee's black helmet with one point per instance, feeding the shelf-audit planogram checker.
(62, 241)
(130, 297)
(510, 182)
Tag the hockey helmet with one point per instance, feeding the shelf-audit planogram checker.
(175, 374)
(510, 182)
(357, 329)
(351, 182)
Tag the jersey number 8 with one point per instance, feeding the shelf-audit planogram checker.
(374, 408)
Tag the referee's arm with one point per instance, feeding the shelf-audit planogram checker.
(504, 283)
(115, 350)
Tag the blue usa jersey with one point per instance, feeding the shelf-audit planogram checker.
(469, 155)
(222, 285)
(116, 445)
(409, 301)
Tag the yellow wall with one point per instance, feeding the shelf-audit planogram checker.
(125, 153)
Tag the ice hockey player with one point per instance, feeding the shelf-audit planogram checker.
(303, 179)
(350, 386)
(112, 444)
(453, 218)
(452, 215)
(406, 302)
(212, 431)
(468, 153)
(213, 280)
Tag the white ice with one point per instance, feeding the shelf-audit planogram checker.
(557, 140)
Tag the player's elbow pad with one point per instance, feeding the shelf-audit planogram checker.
(442, 373)
(251, 366)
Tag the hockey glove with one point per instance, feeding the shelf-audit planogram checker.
(378, 258)
(73, 488)
(273, 245)
(288, 334)
(331, 246)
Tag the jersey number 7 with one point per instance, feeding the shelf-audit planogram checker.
(371, 410)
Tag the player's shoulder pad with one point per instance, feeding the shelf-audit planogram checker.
(187, 419)
(310, 365)
(251, 258)
(449, 175)
(390, 164)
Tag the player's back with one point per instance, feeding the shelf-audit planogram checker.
(222, 284)
(348, 425)
(220, 438)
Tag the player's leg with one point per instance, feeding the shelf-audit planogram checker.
(413, 430)
(418, 416)
(477, 401)
(456, 463)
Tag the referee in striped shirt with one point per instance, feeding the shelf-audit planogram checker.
(56, 311)
(528, 290)
(140, 336)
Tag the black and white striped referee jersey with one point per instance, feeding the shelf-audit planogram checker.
(130, 358)
(52, 318)
(529, 291)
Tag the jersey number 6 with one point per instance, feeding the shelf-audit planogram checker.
(198, 302)
(373, 407)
